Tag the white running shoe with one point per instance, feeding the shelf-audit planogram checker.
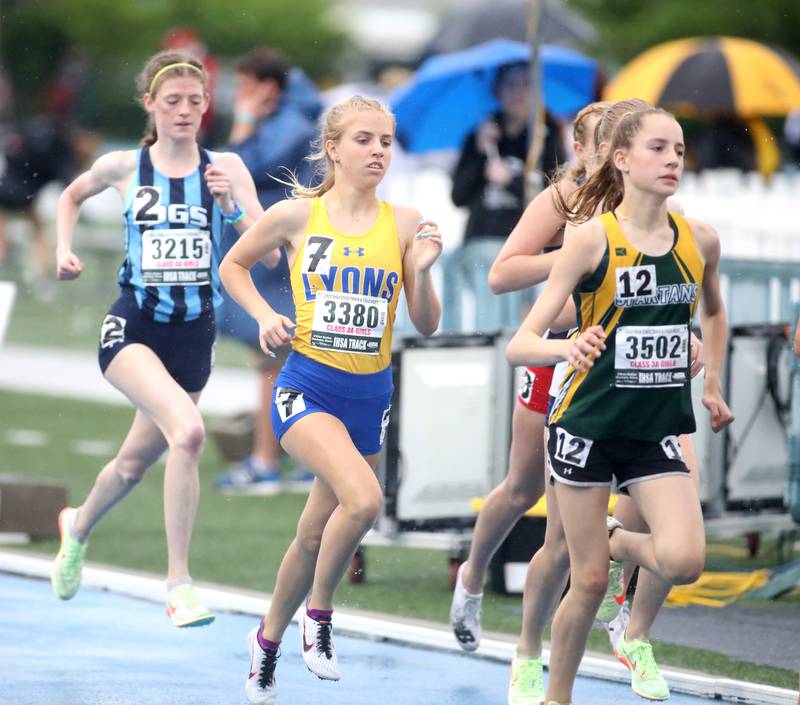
(617, 625)
(465, 615)
(318, 651)
(260, 684)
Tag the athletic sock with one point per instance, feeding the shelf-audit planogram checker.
(260, 468)
(266, 644)
(318, 615)
(172, 584)
(71, 527)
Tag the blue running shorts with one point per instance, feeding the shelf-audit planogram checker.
(361, 402)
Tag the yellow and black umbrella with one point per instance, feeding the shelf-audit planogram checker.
(719, 74)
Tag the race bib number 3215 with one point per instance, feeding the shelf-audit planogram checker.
(176, 256)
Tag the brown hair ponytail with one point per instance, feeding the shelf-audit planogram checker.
(605, 188)
(580, 134)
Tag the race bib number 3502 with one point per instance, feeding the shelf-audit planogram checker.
(349, 323)
(176, 257)
(651, 356)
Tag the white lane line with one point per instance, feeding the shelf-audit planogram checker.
(94, 447)
(26, 437)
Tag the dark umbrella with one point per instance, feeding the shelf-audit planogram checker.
(717, 74)
(481, 21)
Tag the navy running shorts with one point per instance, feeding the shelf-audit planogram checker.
(185, 348)
(362, 402)
(595, 463)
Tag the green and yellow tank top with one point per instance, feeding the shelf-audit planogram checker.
(345, 288)
(640, 386)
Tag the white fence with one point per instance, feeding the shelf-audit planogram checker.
(759, 225)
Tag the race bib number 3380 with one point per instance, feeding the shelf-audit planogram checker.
(651, 356)
(177, 256)
(348, 322)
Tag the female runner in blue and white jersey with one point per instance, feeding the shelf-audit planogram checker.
(156, 341)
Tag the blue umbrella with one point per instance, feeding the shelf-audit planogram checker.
(450, 94)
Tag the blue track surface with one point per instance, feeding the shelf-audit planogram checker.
(106, 649)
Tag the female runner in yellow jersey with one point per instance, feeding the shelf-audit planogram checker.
(349, 256)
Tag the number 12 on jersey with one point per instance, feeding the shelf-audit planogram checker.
(572, 450)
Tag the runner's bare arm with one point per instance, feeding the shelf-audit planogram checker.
(112, 169)
(796, 345)
(229, 174)
(583, 248)
(521, 262)
(422, 245)
(714, 324)
(281, 224)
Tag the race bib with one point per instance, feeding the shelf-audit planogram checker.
(636, 286)
(318, 254)
(289, 402)
(112, 331)
(572, 450)
(348, 322)
(526, 388)
(651, 356)
(180, 256)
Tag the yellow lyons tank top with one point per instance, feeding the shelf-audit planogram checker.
(345, 289)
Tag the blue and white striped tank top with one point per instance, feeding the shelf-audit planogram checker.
(173, 229)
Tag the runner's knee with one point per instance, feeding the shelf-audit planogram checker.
(681, 567)
(364, 510)
(309, 542)
(591, 582)
(555, 553)
(131, 469)
(522, 494)
(189, 437)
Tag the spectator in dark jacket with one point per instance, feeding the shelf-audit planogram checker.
(36, 154)
(489, 178)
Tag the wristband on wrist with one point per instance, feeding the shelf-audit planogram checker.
(234, 216)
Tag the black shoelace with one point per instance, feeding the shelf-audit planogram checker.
(463, 634)
(324, 644)
(266, 675)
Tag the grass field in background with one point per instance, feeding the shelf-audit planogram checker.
(69, 318)
(240, 541)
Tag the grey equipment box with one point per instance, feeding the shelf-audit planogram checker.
(30, 507)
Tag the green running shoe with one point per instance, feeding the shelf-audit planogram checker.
(185, 610)
(65, 575)
(615, 593)
(527, 683)
(646, 680)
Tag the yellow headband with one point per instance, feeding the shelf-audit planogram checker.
(169, 67)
